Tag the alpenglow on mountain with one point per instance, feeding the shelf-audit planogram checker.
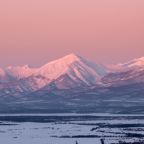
(67, 72)
(73, 84)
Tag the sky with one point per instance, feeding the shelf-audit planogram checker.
(35, 32)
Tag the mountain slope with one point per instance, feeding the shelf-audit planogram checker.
(19, 72)
(130, 73)
(72, 69)
(73, 84)
(67, 72)
(139, 62)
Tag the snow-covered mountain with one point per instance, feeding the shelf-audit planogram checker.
(67, 72)
(127, 73)
(20, 72)
(73, 84)
(139, 62)
(71, 71)
(73, 65)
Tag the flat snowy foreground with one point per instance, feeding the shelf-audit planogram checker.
(67, 129)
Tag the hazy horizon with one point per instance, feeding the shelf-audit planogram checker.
(32, 66)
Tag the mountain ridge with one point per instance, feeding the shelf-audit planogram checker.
(73, 84)
(72, 66)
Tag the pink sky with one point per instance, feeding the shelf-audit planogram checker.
(37, 31)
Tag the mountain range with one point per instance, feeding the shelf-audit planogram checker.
(73, 84)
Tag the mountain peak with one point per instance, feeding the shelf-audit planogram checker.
(74, 67)
(71, 57)
(18, 67)
(66, 60)
(135, 62)
(140, 59)
(57, 67)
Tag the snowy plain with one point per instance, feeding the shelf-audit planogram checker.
(69, 128)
